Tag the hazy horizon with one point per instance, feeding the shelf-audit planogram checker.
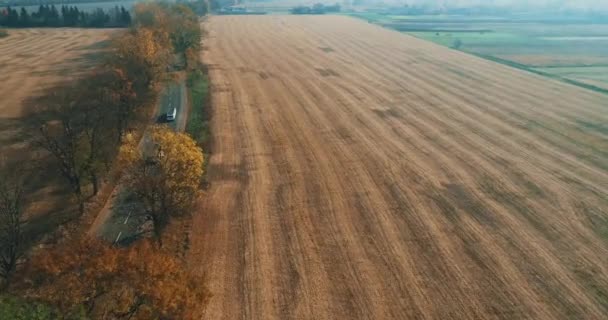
(515, 4)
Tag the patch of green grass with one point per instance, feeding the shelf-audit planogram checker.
(198, 121)
(3, 33)
(15, 308)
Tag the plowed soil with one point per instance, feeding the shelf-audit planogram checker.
(359, 173)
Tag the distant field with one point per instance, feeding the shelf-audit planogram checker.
(32, 60)
(540, 44)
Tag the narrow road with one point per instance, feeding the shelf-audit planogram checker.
(119, 219)
(175, 96)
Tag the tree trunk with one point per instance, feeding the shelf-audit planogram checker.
(6, 277)
(79, 197)
(158, 231)
(95, 183)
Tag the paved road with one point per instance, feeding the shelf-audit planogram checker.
(121, 218)
(174, 97)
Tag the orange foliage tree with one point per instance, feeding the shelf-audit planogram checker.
(103, 282)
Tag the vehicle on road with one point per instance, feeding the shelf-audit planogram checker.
(171, 114)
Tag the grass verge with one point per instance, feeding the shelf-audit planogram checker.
(198, 121)
(3, 33)
(12, 307)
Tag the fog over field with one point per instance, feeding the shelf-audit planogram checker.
(515, 4)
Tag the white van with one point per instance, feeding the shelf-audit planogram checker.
(171, 114)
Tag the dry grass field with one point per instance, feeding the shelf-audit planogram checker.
(359, 173)
(32, 61)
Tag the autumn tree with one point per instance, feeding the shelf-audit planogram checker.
(185, 31)
(166, 175)
(178, 21)
(142, 56)
(96, 107)
(104, 282)
(77, 126)
(58, 122)
(151, 15)
(11, 199)
(121, 102)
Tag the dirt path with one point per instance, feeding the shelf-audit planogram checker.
(358, 173)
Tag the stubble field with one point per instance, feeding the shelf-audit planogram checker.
(359, 173)
(34, 59)
(31, 62)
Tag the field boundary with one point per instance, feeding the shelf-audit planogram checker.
(524, 67)
(533, 69)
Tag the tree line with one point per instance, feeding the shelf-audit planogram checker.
(201, 7)
(88, 127)
(66, 16)
(15, 3)
(317, 8)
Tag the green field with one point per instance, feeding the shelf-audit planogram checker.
(594, 75)
(573, 50)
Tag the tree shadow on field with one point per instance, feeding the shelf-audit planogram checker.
(99, 45)
(11, 133)
(87, 57)
(228, 172)
(72, 67)
(47, 200)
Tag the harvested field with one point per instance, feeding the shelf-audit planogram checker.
(359, 173)
(34, 59)
(31, 61)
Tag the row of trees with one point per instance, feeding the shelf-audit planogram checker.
(67, 16)
(202, 7)
(82, 125)
(317, 8)
(87, 128)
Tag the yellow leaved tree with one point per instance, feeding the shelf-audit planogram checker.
(165, 175)
(142, 54)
